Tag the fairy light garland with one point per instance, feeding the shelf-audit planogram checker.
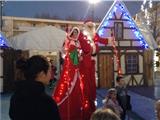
(2, 41)
(116, 54)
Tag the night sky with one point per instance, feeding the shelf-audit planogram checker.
(63, 9)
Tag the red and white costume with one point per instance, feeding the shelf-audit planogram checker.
(87, 66)
(68, 93)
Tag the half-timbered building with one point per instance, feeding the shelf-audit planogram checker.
(128, 54)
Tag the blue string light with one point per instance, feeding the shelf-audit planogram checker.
(3, 42)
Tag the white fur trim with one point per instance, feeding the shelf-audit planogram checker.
(93, 47)
(69, 35)
(90, 23)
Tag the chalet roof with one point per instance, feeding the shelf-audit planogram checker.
(47, 38)
(139, 32)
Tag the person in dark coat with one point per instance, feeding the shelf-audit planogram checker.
(30, 102)
(122, 95)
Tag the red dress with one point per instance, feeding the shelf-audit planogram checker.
(68, 93)
(88, 80)
(87, 71)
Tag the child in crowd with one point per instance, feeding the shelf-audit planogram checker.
(111, 102)
(122, 96)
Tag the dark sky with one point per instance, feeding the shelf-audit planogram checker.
(79, 9)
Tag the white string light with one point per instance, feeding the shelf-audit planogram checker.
(150, 4)
(144, 2)
(146, 13)
(144, 7)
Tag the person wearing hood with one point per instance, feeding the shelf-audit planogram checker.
(68, 92)
(30, 102)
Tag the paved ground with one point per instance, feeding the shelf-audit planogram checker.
(148, 96)
(142, 100)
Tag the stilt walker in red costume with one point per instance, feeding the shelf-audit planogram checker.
(87, 66)
(68, 93)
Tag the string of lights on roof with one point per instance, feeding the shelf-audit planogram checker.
(119, 7)
(2, 41)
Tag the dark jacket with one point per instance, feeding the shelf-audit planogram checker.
(30, 102)
(122, 96)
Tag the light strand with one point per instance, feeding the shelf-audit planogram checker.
(116, 54)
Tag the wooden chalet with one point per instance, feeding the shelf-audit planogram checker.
(129, 54)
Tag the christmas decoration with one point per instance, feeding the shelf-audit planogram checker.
(116, 55)
(144, 8)
(3, 42)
